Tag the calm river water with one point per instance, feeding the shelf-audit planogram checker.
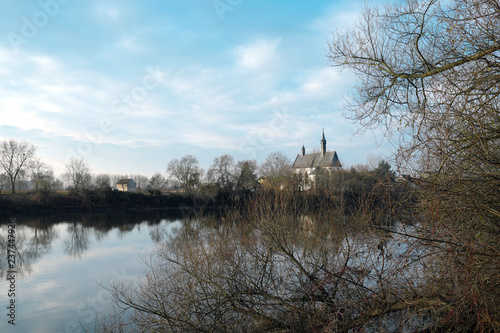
(62, 261)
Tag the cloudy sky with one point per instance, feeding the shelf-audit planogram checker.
(130, 85)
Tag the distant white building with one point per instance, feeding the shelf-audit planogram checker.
(308, 165)
(126, 185)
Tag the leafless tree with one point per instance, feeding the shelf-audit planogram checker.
(4, 182)
(78, 174)
(157, 182)
(186, 172)
(102, 181)
(222, 173)
(372, 162)
(279, 270)
(275, 168)
(14, 159)
(429, 73)
(42, 175)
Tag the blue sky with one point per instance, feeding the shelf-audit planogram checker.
(130, 85)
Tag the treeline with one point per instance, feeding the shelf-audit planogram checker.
(227, 183)
(344, 189)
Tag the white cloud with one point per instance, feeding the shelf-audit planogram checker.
(324, 82)
(49, 96)
(14, 113)
(44, 63)
(200, 106)
(258, 55)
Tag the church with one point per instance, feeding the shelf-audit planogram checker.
(309, 165)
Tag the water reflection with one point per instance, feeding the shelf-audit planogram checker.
(61, 251)
(274, 266)
(62, 259)
(35, 234)
(78, 242)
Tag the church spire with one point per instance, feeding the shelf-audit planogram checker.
(303, 150)
(323, 144)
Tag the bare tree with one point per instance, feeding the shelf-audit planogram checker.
(277, 270)
(42, 175)
(58, 184)
(78, 174)
(14, 158)
(103, 181)
(4, 182)
(276, 168)
(157, 182)
(186, 172)
(429, 73)
(221, 173)
(372, 162)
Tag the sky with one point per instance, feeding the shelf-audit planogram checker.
(130, 85)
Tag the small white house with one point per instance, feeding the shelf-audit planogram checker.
(126, 185)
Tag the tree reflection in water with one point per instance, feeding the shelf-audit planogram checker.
(36, 234)
(271, 269)
(78, 241)
(33, 240)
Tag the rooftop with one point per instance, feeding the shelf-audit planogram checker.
(317, 160)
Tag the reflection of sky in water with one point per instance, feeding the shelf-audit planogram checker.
(62, 287)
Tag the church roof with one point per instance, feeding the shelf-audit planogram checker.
(124, 181)
(316, 160)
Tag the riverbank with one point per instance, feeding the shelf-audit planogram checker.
(95, 200)
(347, 200)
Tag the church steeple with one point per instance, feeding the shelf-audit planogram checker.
(303, 150)
(323, 144)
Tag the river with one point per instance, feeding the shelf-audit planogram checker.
(54, 281)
